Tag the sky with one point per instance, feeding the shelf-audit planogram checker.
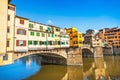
(82, 14)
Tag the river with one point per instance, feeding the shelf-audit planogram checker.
(30, 68)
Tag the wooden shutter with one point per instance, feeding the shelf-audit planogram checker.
(24, 32)
(21, 21)
(18, 31)
(17, 42)
(24, 43)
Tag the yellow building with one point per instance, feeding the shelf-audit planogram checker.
(7, 19)
(76, 39)
(3, 25)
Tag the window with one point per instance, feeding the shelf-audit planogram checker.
(8, 29)
(40, 42)
(32, 33)
(41, 28)
(57, 29)
(50, 42)
(48, 35)
(35, 42)
(5, 57)
(38, 34)
(8, 17)
(30, 25)
(75, 42)
(21, 21)
(58, 42)
(29, 42)
(20, 42)
(52, 35)
(66, 42)
(21, 31)
(43, 34)
(8, 43)
(49, 29)
(46, 42)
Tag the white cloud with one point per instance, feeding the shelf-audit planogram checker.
(96, 31)
(49, 22)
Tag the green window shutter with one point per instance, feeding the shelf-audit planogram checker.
(30, 25)
(52, 35)
(43, 34)
(38, 34)
(41, 28)
(60, 42)
(49, 29)
(28, 42)
(35, 42)
(46, 42)
(32, 33)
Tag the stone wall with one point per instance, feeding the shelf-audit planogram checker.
(111, 51)
(74, 56)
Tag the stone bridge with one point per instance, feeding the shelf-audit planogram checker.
(66, 56)
(88, 51)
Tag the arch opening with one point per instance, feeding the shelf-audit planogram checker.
(51, 58)
(87, 53)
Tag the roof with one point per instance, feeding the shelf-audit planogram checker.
(22, 17)
(12, 4)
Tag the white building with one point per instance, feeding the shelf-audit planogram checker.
(21, 34)
(65, 40)
(37, 36)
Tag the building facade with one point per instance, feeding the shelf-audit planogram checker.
(64, 39)
(11, 28)
(7, 19)
(56, 32)
(111, 36)
(21, 34)
(92, 39)
(3, 25)
(76, 39)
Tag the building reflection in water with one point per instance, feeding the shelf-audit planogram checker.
(96, 70)
(55, 72)
(92, 69)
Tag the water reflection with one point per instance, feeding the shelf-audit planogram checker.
(55, 72)
(30, 68)
(101, 68)
(22, 68)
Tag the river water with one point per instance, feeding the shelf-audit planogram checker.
(30, 68)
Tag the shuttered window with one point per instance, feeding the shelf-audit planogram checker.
(22, 21)
(20, 42)
(21, 31)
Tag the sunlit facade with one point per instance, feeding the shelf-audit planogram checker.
(76, 39)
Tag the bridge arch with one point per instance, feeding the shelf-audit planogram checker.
(57, 56)
(86, 52)
(52, 58)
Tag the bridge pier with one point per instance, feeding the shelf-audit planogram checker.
(98, 51)
(74, 56)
